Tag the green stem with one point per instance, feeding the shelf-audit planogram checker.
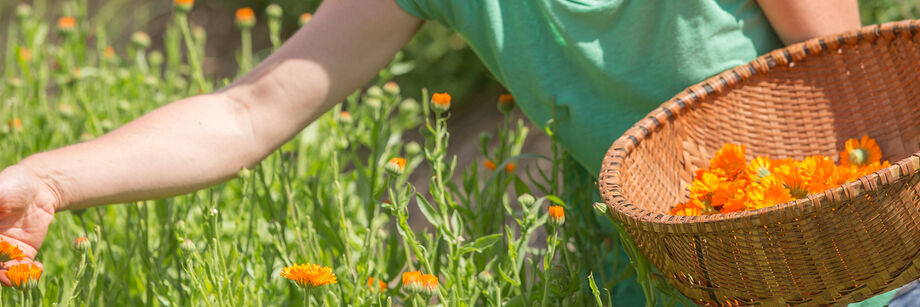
(192, 47)
(546, 267)
(246, 40)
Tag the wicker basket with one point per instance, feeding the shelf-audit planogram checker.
(844, 245)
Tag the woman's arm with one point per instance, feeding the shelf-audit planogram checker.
(202, 140)
(798, 20)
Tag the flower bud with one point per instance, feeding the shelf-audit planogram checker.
(440, 102)
(23, 11)
(81, 244)
(374, 103)
(600, 209)
(345, 118)
(484, 277)
(505, 103)
(156, 58)
(556, 215)
(391, 88)
(183, 6)
(375, 91)
(525, 200)
(66, 25)
(245, 18)
(188, 246)
(408, 106)
(141, 39)
(274, 11)
(304, 19)
(413, 149)
(430, 284)
(395, 166)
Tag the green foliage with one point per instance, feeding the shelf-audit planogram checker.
(879, 11)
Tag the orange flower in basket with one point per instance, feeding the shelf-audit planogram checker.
(820, 170)
(729, 159)
(860, 153)
(759, 168)
(769, 192)
(730, 185)
(794, 178)
(692, 207)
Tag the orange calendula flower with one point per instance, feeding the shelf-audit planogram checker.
(381, 285)
(820, 170)
(396, 166)
(305, 18)
(430, 284)
(245, 18)
(556, 215)
(687, 209)
(24, 276)
(769, 192)
(729, 159)
(440, 102)
(489, 164)
(412, 281)
(9, 251)
(759, 168)
(66, 24)
(15, 123)
(505, 102)
(510, 167)
(183, 6)
(309, 275)
(860, 152)
(794, 178)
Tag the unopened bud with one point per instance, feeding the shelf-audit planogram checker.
(274, 11)
(141, 39)
(526, 200)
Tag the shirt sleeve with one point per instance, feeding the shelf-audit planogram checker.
(437, 10)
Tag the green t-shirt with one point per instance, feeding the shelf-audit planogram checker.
(606, 63)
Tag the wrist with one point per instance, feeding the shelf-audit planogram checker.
(48, 180)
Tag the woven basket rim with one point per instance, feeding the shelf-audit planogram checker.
(621, 209)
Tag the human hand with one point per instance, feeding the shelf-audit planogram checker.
(27, 206)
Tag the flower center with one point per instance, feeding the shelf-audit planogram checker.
(763, 172)
(859, 156)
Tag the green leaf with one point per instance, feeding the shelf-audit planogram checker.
(427, 210)
(555, 199)
(481, 244)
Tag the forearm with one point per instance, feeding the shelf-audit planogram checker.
(170, 151)
(203, 140)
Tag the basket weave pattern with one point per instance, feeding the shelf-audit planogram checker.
(844, 245)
